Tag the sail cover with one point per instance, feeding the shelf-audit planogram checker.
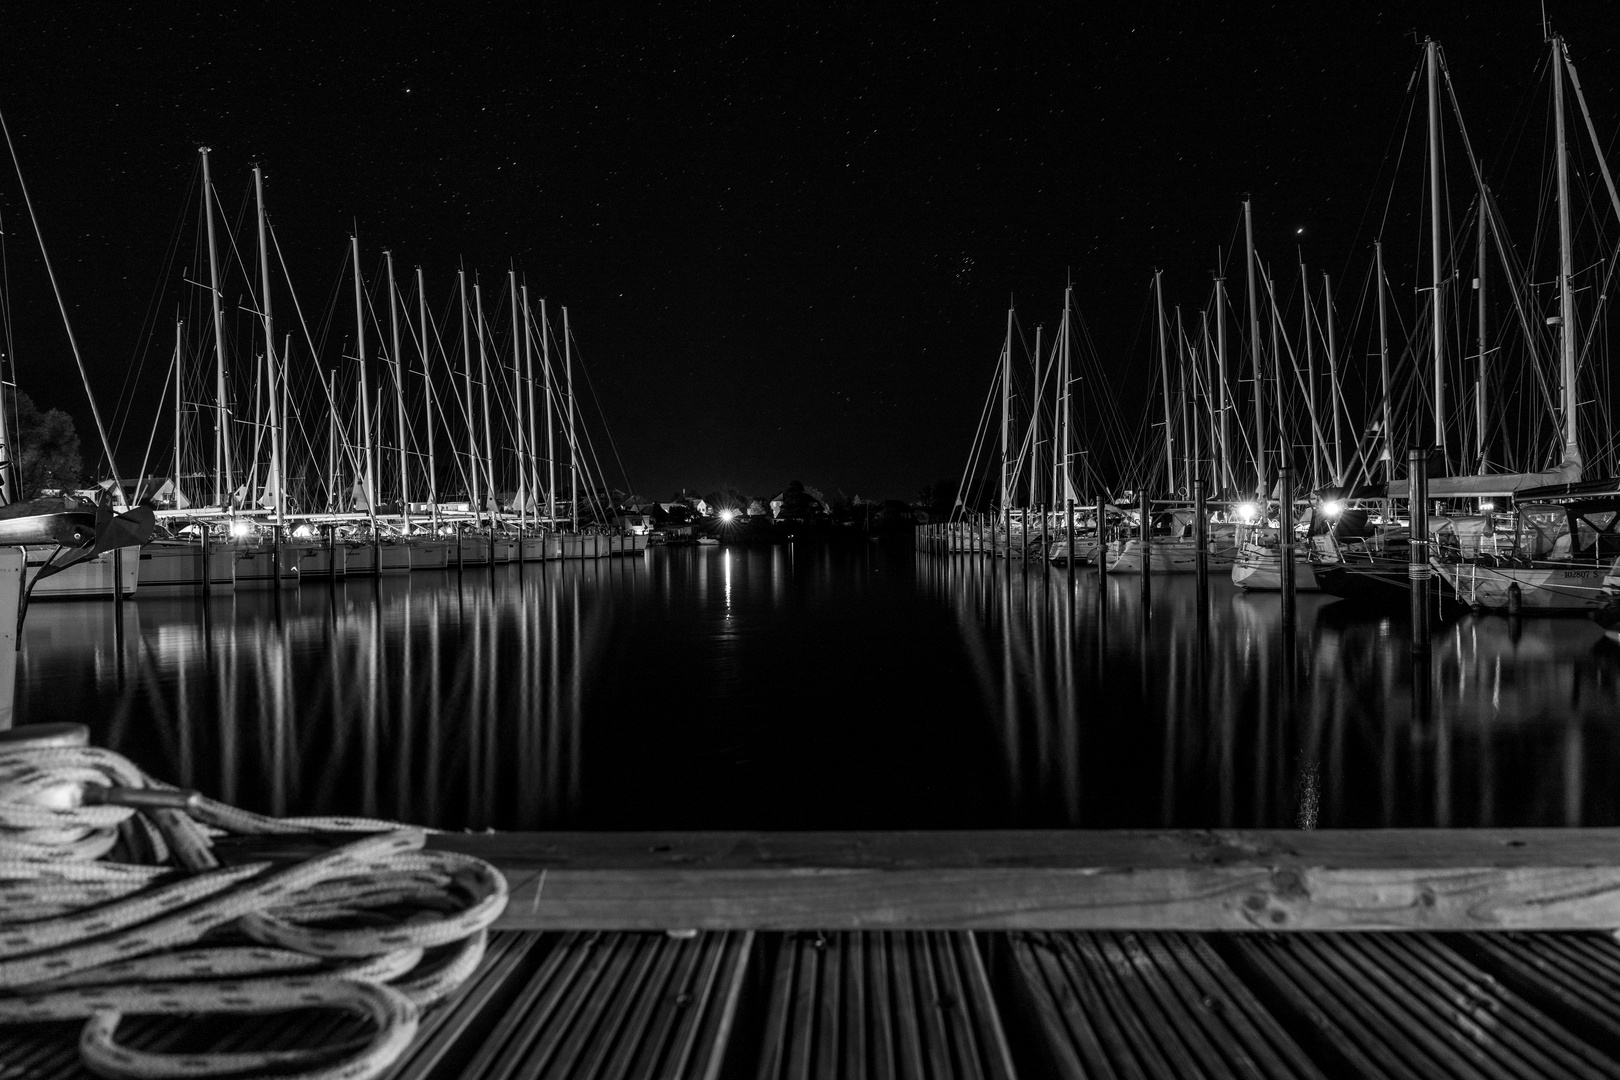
(1567, 471)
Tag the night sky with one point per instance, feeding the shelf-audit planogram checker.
(786, 236)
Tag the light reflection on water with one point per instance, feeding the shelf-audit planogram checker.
(835, 687)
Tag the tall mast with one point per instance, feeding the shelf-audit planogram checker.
(427, 407)
(332, 502)
(1383, 365)
(368, 480)
(277, 461)
(474, 503)
(178, 371)
(1335, 401)
(1164, 375)
(1479, 369)
(222, 449)
(528, 371)
(1566, 265)
(1317, 451)
(1185, 395)
(483, 389)
(1224, 400)
(551, 434)
(397, 360)
(1436, 310)
(1006, 416)
(573, 445)
(1254, 350)
(1062, 482)
(518, 439)
(1035, 428)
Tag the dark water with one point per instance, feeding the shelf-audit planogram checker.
(835, 687)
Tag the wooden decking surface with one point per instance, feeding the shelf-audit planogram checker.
(935, 1005)
(1136, 956)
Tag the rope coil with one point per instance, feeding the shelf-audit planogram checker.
(112, 902)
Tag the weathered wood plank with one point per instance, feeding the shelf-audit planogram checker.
(1413, 879)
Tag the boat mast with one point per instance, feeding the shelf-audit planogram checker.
(483, 389)
(332, 502)
(1006, 416)
(1318, 452)
(528, 371)
(367, 481)
(1335, 399)
(179, 326)
(473, 502)
(1566, 266)
(551, 434)
(1224, 399)
(1186, 394)
(1254, 351)
(427, 405)
(1432, 50)
(517, 404)
(1383, 364)
(1164, 376)
(398, 364)
(1479, 372)
(573, 445)
(1062, 482)
(1035, 427)
(277, 463)
(222, 451)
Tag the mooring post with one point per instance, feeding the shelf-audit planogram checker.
(1418, 570)
(461, 560)
(1068, 527)
(207, 562)
(1102, 538)
(1201, 540)
(1023, 535)
(1285, 543)
(1146, 545)
(1044, 509)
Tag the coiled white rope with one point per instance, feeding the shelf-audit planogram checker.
(112, 902)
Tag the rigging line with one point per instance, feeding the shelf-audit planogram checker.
(84, 376)
(298, 310)
(143, 340)
(599, 411)
(163, 395)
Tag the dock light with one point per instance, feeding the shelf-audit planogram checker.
(727, 516)
(1486, 506)
(240, 528)
(1332, 508)
(1247, 512)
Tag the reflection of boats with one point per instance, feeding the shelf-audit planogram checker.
(708, 541)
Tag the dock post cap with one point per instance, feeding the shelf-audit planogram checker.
(42, 736)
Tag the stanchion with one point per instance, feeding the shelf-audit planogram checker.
(1146, 543)
(1418, 570)
(1285, 543)
(1068, 518)
(1102, 538)
(1201, 542)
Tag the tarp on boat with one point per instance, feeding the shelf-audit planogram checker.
(1567, 471)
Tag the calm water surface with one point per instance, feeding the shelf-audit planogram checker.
(825, 687)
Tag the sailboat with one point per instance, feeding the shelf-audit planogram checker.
(1563, 541)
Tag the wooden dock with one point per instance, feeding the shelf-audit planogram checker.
(1407, 954)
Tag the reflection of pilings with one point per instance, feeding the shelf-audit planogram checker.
(1418, 569)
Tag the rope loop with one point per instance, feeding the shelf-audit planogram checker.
(115, 904)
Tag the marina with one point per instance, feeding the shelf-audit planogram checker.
(604, 557)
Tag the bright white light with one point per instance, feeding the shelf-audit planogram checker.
(1247, 512)
(1332, 508)
(727, 516)
(304, 532)
(240, 528)
(1486, 506)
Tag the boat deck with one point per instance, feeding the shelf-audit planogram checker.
(993, 979)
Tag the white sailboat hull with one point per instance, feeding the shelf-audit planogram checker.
(1543, 587)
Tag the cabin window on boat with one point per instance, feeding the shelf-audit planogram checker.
(1596, 529)
(1540, 529)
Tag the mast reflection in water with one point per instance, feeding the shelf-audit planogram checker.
(855, 686)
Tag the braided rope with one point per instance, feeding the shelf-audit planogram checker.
(379, 927)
